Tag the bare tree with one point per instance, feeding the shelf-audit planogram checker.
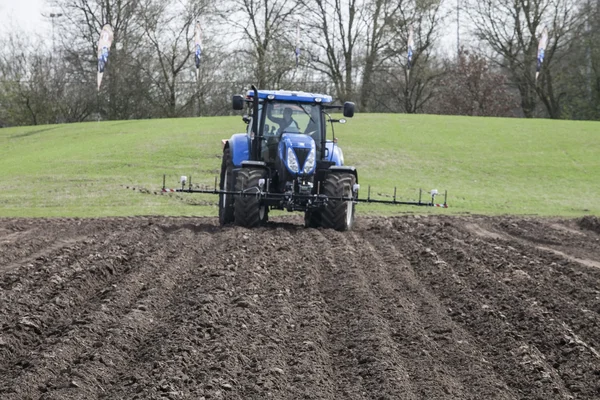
(357, 43)
(471, 87)
(168, 28)
(79, 32)
(33, 87)
(582, 58)
(17, 93)
(391, 93)
(425, 17)
(511, 29)
(266, 29)
(393, 88)
(380, 30)
(334, 29)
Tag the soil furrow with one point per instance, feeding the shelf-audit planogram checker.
(527, 272)
(424, 327)
(42, 302)
(224, 328)
(360, 334)
(408, 307)
(537, 337)
(92, 317)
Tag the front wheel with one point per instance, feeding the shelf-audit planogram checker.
(248, 210)
(338, 214)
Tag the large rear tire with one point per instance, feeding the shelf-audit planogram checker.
(338, 214)
(227, 183)
(248, 210)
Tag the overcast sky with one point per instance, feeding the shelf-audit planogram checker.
(24, 14)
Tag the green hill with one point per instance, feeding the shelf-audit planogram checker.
(488, 165)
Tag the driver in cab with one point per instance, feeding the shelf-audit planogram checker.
(287, 123)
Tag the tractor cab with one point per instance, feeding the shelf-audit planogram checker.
(285, 118)
(280, 113)
(287, 132)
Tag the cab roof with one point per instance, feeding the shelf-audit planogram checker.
(285, 95)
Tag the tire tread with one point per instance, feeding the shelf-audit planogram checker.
(247, 208)
(333, 216)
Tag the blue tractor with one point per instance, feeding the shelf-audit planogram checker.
(285, 161)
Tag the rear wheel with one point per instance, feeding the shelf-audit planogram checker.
(338, 214)
(248, 210)
(227, 183)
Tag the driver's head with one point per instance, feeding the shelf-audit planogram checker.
(287, 113)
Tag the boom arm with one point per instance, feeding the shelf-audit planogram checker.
(317, 198)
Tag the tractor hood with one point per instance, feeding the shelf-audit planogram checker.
(299, 153)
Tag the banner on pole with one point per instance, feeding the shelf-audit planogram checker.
(104, 44)
(410, 46)
(541, 52)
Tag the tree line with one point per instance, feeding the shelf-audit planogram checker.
(352, 49)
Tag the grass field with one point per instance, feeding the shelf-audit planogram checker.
(488, 165)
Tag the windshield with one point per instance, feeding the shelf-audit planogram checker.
(288, 117)
(293, 118)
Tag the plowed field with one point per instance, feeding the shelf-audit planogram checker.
(399, 308)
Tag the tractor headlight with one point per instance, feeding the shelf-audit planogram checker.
(292, 161)
(341, 153)
(310, 160)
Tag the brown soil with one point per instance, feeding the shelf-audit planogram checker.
(400, 308)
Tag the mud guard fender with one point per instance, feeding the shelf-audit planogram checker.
(239, 145)
(350, 170)
(334, 153)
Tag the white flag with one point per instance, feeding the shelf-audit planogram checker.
(106, 39)
(541, 52)
(411, 47)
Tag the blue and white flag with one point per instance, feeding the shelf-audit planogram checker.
(541, 52)
(104, 43)
(411, 47)
(197, 47)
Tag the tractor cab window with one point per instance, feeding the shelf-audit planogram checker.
(286, 117)
(293, 118)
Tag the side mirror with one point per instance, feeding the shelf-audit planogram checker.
(348, 109)
(238, 102)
